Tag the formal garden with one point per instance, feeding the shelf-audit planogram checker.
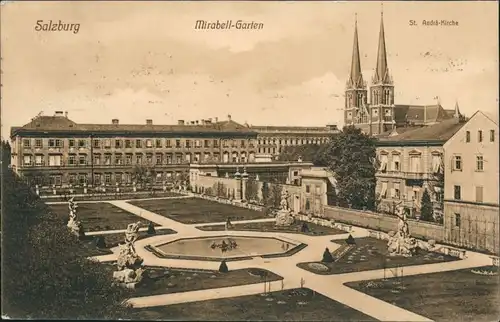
(300, 304)
(298, 227)
(97, 216)
(461, 295)
(196, 211)
(364, 254)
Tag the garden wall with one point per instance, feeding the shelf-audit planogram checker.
(386, 223)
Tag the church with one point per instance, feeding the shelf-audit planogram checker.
(378, 114)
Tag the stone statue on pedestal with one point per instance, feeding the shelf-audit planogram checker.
(284, 216)
(130, 269)
(400, 242)
(73, 223)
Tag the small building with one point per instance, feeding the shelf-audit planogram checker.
(471, 205)
(318, 190)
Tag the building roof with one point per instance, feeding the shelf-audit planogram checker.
(421, 114)
(57, 123)
(355, 77)
(442, 131)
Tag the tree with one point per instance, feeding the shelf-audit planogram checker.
(275, 199)
(251, 189)
(351, 155)
(265, 193)
(350, 240)
(223, 267)
(426, 210)
(48, 275)
(307, 152)
(5, 153)
(327, 256)
(144, 175)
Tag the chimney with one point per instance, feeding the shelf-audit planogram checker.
(58, 113)
(216, 119)
(149, 122)
(197, 122)
(180, 122)
(209, 120)
(114, 121)
(229, 117)
(66, 114)
(202, 122)
(192, 122)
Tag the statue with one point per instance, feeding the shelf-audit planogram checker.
(130, 270)
(228, 224)
(284, 216)
(400, 242)
(73, 223)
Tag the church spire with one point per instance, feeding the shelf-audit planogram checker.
(355, 78)
(457, 111)
(381, 71)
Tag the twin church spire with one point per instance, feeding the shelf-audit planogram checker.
(381, 75)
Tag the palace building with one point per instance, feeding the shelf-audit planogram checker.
(54, 150)
(378, 113)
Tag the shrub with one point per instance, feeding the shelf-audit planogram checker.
(223, 267)
(100, 242)
(327, 256)
(151, 229)
(318, 267)
(350, 240)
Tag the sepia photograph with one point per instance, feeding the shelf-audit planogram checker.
(250, 160)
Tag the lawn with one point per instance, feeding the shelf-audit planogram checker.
(290, 305)
(370, 254)
(313, 229)
(196, 211)
(98, 216)
(449, 296)
(175, 280)
(112, 240)
(109, 195)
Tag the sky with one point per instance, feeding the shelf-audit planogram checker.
(144, 60)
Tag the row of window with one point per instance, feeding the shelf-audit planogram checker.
(137, 143)
(458, 163)
(395, 193)
(138, 158)
(100, 178)
(292, 141)
(414, 165)
(317, 189)
(480, 137)
(457, 193)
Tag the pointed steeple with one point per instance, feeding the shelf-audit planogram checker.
(355, 78)
(381, 71)
(457, 111)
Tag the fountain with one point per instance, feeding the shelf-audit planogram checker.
(284, 216)
(74, 224)
(401, 243)
(130, 269)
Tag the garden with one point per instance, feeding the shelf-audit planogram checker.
(364, 254)
(299, 304)
(196, 211)
(462, 295)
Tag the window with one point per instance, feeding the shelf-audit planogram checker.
(415, 163)
(149, 159)
(479, 163)
(436, 163)
(308, 189)
(138, 144)
(396, 163)
(26, 143)
(168, 158)
(107, 159)
(296, 173)
(72, 179)
(159, 159)
(457, 220)
(479, 194)
(107, 144)
(71, 143)
(188, 157)
(27, 160)
(197, 143)
(118, 144)
(82, 160)
(383, 162)
(97, 144)
(467, 136)
(81, 143)
(149, 143)
(397, 191)
(54, 160)
(177, 143)
(128, 144)
(138, 158)
(52, 143)
(457, 192)
(457, 163)
(188, 143)
(38, 143)
(206, 143)
(383, 191)
(82, 179)
(128, 159)
(71, 160)
(196, 157)
(492, 135)
(97, 159)
(107, 178)
(308, 205)
(168, 144)
(158, 143)
(479, 136)
(415, 195)
(59, 143)
(118, 159)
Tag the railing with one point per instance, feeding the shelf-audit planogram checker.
(415, 175)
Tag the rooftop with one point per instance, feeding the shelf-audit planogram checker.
(438, 132)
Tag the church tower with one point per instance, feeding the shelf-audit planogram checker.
(381, 90)
(355, 111)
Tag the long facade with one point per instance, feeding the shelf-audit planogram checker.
(54, 150)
